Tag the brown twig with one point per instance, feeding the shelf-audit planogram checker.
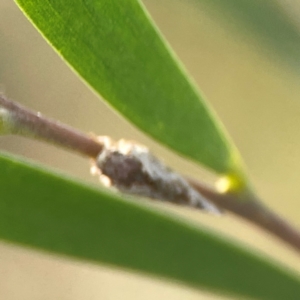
(29, 123)
(248, 207)
(254, 211)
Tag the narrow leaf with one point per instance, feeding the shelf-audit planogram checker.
(120, 53)
(42, 210)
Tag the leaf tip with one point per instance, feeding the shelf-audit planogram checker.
(232, 182)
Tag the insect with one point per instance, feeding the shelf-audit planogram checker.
(132, 169)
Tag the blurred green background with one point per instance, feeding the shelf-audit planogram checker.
(252, 83)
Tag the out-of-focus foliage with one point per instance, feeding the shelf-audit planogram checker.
(266, 22)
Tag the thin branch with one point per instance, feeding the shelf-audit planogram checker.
(253, 211)
(25, 122)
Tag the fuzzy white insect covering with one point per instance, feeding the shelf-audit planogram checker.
(132, 169)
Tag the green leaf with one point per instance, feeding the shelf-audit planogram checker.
(42, 210)
(264, 22)
(120, 53)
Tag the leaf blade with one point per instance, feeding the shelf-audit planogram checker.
(41, 210)
(127, 61)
